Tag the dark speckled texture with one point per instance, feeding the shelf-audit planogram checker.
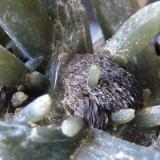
(116, 89)
(5, 95)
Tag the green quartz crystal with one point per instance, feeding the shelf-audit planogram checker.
(113, 13)
(104, 146)
(72, 125)
(93, 76)
(129, 47)
(148, 117)
(35, 111)
(70, 34)
(28, 25)
(136, 32)
(12, 69)
(123, 116)
(22, 142)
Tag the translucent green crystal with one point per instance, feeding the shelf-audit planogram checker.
(93, 76)
(28, 25)
(21, 142)
(70, 34)
(148, 117)
(113, 13)
(12, 69)
(123, 116)
(136, 32)
(72, 125)
(48, 143)
(104, 146)
(34, 111)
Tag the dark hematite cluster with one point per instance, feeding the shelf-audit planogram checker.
(116, 89)
(5, 95)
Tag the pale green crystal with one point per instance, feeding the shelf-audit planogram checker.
(48, 143)
(12, 69)
(72, 125)
(113, 13)
(93, 76)
(18, 98)
(34, 111)
(148, 117)
(136, 32)
(21, 142)
(28, 24)
(123, 116)
(104, 146)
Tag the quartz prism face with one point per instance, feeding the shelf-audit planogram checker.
(28, 25)
(12, 69)
(116, 89)
(119, 10)
(105, 146)
(136, 32)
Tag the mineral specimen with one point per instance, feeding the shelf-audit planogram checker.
(116, 89)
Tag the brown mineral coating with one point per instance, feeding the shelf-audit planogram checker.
(116, 89)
